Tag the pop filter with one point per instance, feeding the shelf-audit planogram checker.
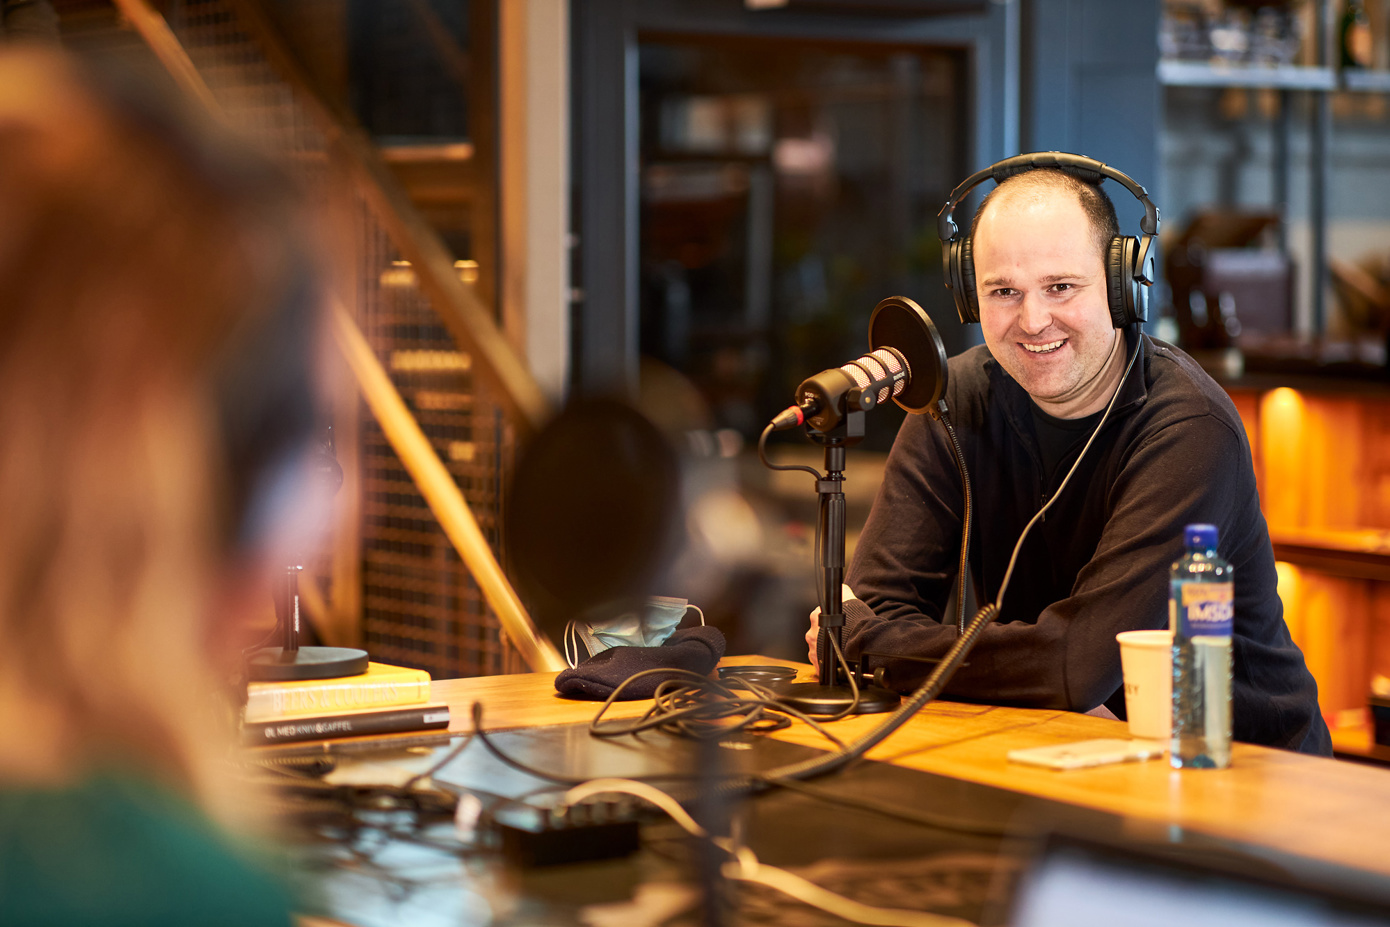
(591, 517)
(899, 323)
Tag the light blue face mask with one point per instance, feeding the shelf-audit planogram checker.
(649, 626)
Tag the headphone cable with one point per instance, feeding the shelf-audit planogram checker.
(1013, 559)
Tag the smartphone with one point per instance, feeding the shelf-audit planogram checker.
(1086, 753)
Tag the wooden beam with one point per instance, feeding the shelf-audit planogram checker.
(169, 50)
(533, 122)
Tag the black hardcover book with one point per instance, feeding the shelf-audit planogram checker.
(351, 724)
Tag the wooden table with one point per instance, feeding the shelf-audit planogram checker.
(1318, 809)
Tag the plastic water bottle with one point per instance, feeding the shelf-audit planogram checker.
(1201, 609)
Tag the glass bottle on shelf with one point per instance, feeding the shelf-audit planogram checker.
(1357, 45)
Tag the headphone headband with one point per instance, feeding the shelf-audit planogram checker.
(1079, 166)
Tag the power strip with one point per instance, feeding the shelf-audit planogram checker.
(588, 830)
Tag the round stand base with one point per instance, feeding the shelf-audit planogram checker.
(762, 675)
(272, 664)
(814, 699)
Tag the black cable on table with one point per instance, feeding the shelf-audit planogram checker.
(692, 705)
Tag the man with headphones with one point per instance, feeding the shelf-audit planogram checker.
(1058, 294)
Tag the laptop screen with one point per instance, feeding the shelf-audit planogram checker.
(1081, 885)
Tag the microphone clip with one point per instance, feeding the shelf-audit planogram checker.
(847, 431)
(865, 398)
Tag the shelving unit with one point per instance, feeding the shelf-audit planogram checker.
(1366, 81)
(1322, 459)
(1321, 444)
(1176, 73)
(1319, 79)
(1350, 553)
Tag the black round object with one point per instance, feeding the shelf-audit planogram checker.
(591, 516)
(812, 698)
(271, 664)
(899, 323)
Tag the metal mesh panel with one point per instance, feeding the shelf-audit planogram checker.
(420, 607)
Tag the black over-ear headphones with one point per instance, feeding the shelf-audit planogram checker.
(1129, 261)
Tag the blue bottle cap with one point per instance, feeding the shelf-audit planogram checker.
(1200, 537)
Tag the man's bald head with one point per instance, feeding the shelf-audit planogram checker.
(1037, 184)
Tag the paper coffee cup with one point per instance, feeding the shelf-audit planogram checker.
(1146, 657)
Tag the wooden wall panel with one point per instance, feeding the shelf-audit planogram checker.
(1376, 501)
(1336, 454)
(1312, 453)
(1323, 467)
(1379, 661)
(1335, 638)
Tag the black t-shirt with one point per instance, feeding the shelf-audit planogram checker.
(1060, 439)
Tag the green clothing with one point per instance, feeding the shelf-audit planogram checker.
(118, 852)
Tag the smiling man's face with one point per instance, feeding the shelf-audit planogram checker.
(1040, 277)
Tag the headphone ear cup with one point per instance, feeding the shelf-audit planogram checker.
(963, 271)
(1119, 280)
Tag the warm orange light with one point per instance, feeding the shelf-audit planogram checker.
(1283, 456)
(1283, 402)
(467, 271)
(1290, 580)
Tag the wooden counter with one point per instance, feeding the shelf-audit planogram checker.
(1320, 809)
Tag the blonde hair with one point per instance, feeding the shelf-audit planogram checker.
(127, 267)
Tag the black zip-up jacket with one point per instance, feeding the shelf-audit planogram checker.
(1173, 452)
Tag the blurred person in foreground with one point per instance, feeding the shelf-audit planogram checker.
(156, 318)
(28, 21)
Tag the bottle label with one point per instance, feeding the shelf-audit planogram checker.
(1206, 609)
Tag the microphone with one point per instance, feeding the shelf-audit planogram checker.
(906, 362)
(822, 400)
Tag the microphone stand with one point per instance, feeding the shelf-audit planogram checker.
(290, 661)
(834, 415)
(834, 694)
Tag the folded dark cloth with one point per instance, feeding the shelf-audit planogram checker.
(695, 649)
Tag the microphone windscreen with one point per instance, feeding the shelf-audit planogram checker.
(899, 323)
(877, 366)
(592, 512)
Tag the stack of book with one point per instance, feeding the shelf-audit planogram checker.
(385, 699)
